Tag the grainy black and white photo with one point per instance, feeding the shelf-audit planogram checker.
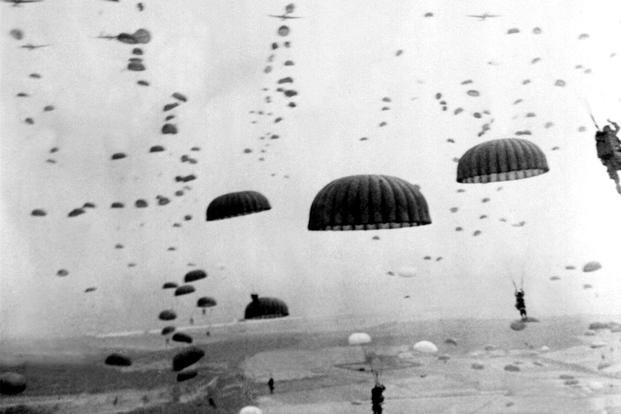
(315, 207)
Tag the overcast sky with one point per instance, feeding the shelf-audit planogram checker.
(346, 62)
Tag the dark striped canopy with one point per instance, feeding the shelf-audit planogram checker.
(368, 202)
(237, 204)
(501, 160)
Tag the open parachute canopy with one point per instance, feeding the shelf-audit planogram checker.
(359, 338)
(264, 308)
(501, 160)
(118, 360)
(368, 202)
(182, 337)
(236, 204)
(170, 285)
(167, 315)
(206, 302)
(187, 357)
(194, 275)
(184, 290)
(12, 383)
(425, 347)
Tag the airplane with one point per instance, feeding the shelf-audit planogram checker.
(284, 16)
(483, 16)
(32, 47)
(16, 3)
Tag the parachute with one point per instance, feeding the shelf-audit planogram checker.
(140, 203)
(237, 204)
(167, 315)
(184, 290)
(117, 205)
(179, 96)
(206, 302)
(263, 308)
(518, 325)
(181, 337)
(17, 34)
(513, 30)
(359, 338)
(169, 129)
(591, 267)
(187, 357)
(368, 202)
(186, 375)
(407, 272)
(90, 289)
(250, 410)
(137, 51)
(12, 383)
(170, 285)
(170, 106)
(118, 156)
(283, 31)
(142, 36)
(136, 66)
(194, 275)
(501, 160)
(167, 330)
(118, 360)
(75, 212)
(156, 148)
(62, 272)
(38, 213)
(425, 347)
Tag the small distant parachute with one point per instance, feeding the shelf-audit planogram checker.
(555, 278)
(407, 272)
(501, 160)
(426, 347)
(187, 357)
(170, 106)
(458, 111)
(181, 337)
(359, 338)
(135, 66)
(250, 409)
(90, 289)
(206, 302)
(450, 341)
(118, 360)
(48, 108)
(162, 201)
(587, 286)
(184, 290)
(428, 14)
(35, 76)
(518, 325)
(591, 267)
(179, 96)
(167, 315)
(17, 34)
(118, 156)
(485, 200)
(116, 204)
(143, 83)
(237, 204)
(156, 148)
(38, 213)
(570, 267)
(473, 92)
(262, 308)
(459, 228)
(140, 203)
(186, 375)
(513, 30)
(535, 60)
(290, 93)
(137, 51)
(170, 285)
(194, 275)
(62, 272)
(427, 258)
(583, 36)
(559, 82)
(169, 129)
(289, 63)
(142, 36)
(548, 125)
(537, 30)
(512, 368)
(399, 52)
(76, 212)
(454, 209)
(476, 233)
(283, 31)
(389, 203)
(167, 330)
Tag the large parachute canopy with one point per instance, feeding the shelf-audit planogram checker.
(263, 308)
(194, 275)
(181, 337)
(368, 202)
(237, 204)
(501, 160)
(167, 315)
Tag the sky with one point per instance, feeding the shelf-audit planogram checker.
(346, 62)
